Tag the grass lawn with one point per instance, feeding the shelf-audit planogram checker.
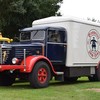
(55, 91)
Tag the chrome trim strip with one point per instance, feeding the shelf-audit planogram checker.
(84, 63)
(56, 43)
(25, 59)
(55, 61)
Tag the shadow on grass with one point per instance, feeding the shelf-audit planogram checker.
(26, 85)
(18, 85)
(58, 83)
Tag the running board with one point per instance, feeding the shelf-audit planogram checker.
(59, 73)
(59, 76)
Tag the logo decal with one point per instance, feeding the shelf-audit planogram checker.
(93, 44)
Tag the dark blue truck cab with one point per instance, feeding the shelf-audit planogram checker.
(39, 56)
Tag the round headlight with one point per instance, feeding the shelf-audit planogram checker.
(15, 61)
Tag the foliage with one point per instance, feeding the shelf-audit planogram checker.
(16, 14)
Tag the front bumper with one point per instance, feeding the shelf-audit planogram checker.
(11, 67)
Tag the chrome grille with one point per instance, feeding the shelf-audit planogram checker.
(0, 56)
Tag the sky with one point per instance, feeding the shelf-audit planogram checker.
(81, 8)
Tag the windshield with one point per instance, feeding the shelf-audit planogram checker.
(38, 35)
(33, 35)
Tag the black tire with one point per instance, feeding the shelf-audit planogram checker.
(98, 73)
(40, 75)
(71, 79)
(6, 79)
(93, 78)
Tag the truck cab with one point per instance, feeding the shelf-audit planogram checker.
(53, 39)
(41, 50)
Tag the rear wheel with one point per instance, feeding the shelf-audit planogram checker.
(95, 77)
(40, 75)
(98, 73)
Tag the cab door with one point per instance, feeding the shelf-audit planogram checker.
(57, 45)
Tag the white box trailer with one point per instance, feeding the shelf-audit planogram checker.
(83, 44)
(80, 34)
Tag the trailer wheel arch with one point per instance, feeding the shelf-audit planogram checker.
(98, 71)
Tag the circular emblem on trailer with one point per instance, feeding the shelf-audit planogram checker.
(93, 44)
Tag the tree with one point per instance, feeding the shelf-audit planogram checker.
(16, 14)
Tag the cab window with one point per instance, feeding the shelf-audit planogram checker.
(63, 36)
(25, 36)
(56, 36)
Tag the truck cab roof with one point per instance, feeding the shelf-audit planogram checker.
(33, 33)
(39, 28)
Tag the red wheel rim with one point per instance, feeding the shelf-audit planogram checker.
(42, 75)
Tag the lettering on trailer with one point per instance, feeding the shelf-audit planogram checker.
(93, 43)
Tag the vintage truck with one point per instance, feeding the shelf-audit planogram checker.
(61, 47)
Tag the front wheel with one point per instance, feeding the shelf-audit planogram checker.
(40, 75)
(6, 79)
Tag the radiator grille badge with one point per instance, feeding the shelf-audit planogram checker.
(4, 55)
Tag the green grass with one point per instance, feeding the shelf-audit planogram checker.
(55, 91)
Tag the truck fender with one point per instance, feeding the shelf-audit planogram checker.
(32, 60)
